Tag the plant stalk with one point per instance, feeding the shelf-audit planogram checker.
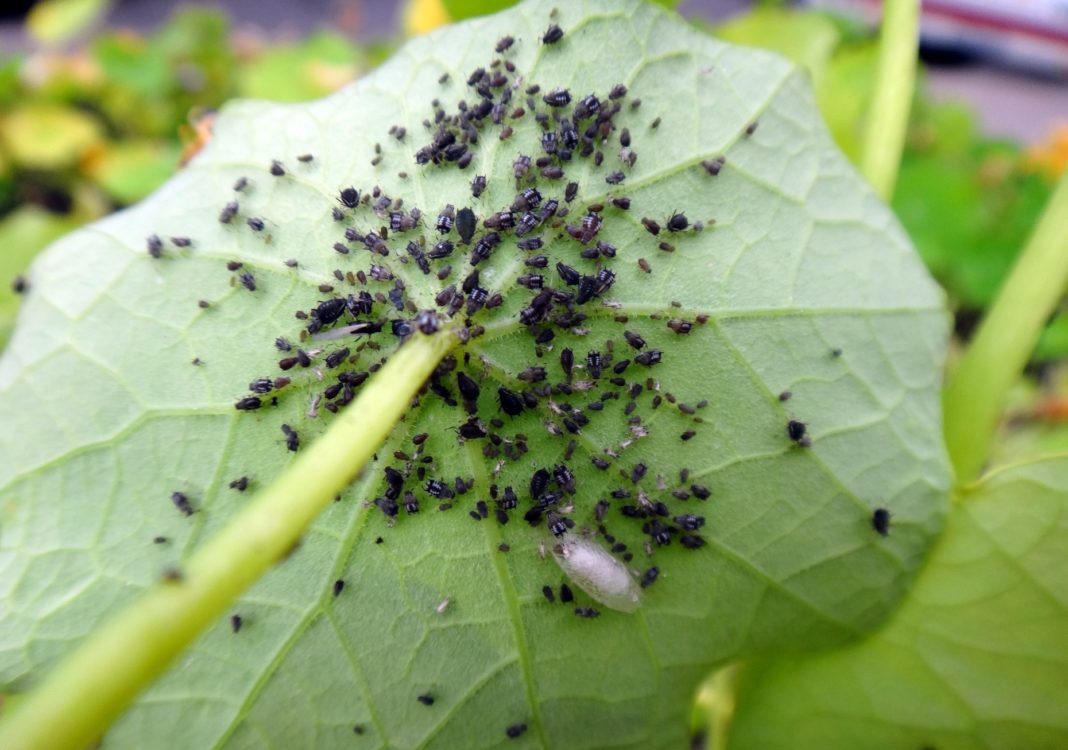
(888, 118)
(91, 686)
(973, 398)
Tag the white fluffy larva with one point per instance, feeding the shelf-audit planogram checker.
(597, 573)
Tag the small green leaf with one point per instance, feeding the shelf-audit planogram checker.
(976, 657)
(800, 281)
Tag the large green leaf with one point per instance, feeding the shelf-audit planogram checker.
(977, 657)
(808, 283)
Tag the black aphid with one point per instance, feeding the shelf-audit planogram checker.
(567, 361)
(250, 403)
(472, 429)
(240, 484)
(508, 500)
(614, 178)
(539, 481)
(594, 363)
(388, 507)
(181, 502)
(276, 168)
(426, 699)
(235, 623)
(292, 439)
(552, 35)
(565, 593)
(651, 226)
(649, 358)
(515, 730)
(349, 196)
(339, 586)
(798, 432)
(228, 212)
(510, 401)
(465, 225)
(713, 166)
(427, 322)
(547, 592)
(677, 222)
(438, 489)
(445, 219)
(155, 245)
(568, 274)
(691, 541)
(557, 98)
(650, 576)
(690, 522)
(255, 223)
(468, 388)
(557, 525)
(261, 385)
(587, 612)
(634, 339)
(504, 43)
(751, 128)
(880, 521)
(478, 185)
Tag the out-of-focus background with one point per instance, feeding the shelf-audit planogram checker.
(100, 101)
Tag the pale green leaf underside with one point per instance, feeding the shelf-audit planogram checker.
(105, 416)
(977, 657)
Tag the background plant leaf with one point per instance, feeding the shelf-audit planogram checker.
(809, 284)
(976, 657)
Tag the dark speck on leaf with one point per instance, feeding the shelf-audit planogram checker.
(880, 521)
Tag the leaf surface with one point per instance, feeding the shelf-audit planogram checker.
(975, 658)
(808, 283)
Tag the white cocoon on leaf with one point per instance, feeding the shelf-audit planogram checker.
(597, 572)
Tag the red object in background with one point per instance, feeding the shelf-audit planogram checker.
(1026, 33)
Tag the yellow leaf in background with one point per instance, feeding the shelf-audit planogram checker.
(48, 136)
(421, 16)
(56, 21)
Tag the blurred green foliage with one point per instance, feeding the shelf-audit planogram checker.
(83, 133)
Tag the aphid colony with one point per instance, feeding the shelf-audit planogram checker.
(565, 282)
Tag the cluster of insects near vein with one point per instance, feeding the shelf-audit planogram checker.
(571, 380)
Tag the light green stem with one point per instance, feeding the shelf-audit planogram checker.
(90, 687)
(973, 399)
(888, 118)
